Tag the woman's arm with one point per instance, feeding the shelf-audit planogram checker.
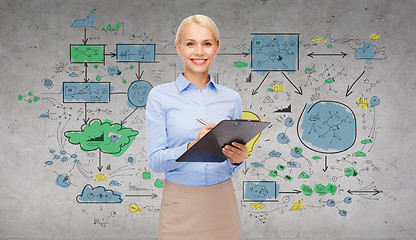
(161, 158)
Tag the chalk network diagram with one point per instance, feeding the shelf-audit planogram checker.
(316, 155)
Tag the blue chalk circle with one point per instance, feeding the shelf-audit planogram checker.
(76, 161)
(52, 151)
(274, 153)
(63, 181)
(56, 157)
(74, 156)
(256, 164)
(367, 52)
(374, 102)
(330, 203)
(73, 74)
(131, 159)
(47, 83)
(292, 164)
(289, 122)
(114, 183)
(138, 93)
(283, 138)
(98, 195)
(327, 127)
(113, 70)
(62, 152)
(114, 138)
(64, 159)
(342, 213)
(348, 200)
(45, 115)
(295, 154)
(48, 163)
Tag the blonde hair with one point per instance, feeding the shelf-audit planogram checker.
(201, 20)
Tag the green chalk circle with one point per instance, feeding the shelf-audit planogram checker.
(159, 183)
(321, 189)
(306, 190)
(304, 175)
(98, 78)
(288, 178)
(330, 80)
(30, 93)
(95, 66)
(35, 99)
(146, 175)
(124, 81)
(298, 150)
(332, 189)
(308, 69)
(240, 64)
(132, 66)
(20, 97)
(329, 46)
(29, 101)
(118, 25)
(350, 172)
(366, 141)
(360, 154)
(273, 173)
(316, 157)
(280, 167)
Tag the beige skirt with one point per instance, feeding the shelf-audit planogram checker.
(199, 213)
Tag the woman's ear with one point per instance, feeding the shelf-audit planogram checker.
(178, 49)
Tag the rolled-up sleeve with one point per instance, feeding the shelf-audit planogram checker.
(161, 158)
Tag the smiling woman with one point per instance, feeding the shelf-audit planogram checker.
(198, 200)
(197, 42)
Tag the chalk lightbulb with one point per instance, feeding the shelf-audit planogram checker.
(250, 145)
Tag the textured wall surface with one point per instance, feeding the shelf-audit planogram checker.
(334, 78)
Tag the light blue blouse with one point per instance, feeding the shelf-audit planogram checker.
(171, 113)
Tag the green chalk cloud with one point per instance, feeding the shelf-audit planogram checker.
(110, 138)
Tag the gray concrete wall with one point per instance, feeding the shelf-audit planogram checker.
(42, 174)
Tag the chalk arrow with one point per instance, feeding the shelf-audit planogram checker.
(293, 192)
(326, 164)
(298, 90)
(255, 91)
(153, 195)
(352, 85)
(312, 54)
(374, 192)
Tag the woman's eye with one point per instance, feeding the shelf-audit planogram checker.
(208, 44)
(190, 44)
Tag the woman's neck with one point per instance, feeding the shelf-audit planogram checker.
(199, 79)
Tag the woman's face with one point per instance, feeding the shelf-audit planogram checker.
(197, 48)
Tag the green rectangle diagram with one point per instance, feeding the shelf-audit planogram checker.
(80, 53)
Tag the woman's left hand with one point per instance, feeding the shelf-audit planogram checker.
(236, 152)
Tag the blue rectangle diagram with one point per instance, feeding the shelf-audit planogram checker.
(260, 191)
(86, 92)
(274, 52)
(135, 52)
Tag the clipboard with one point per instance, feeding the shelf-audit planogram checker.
(209, 147)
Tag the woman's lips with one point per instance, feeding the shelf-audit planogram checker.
(198, 61)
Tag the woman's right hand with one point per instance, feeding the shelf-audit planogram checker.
(204, 130)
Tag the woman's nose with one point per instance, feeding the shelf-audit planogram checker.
(199, 50)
